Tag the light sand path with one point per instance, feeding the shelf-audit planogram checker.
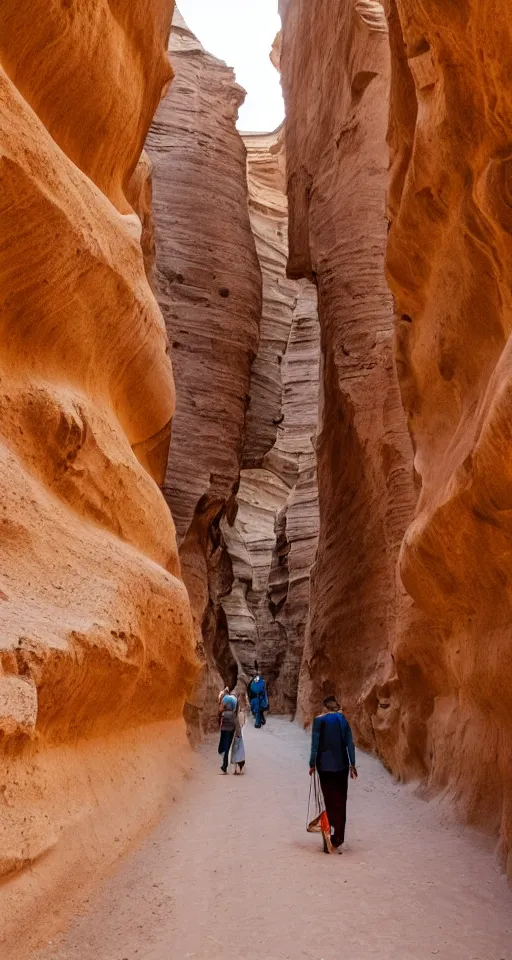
(231, 873)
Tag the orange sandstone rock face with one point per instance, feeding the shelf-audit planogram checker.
(208, 285)
(335, 72)
(273, 540)
(448, 265)
(57, 55)
(96, 635)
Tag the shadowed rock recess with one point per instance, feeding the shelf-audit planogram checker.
(96, 643)
(273, 540)
(439, 703)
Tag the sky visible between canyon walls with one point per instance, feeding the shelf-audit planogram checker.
(241, 32)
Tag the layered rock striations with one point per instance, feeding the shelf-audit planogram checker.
(448, 265)
(273, 540)
(96, 649)
(208, 284)
(335, 74)
(423, 673)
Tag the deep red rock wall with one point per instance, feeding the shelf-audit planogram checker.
(335, 71)
(418, 649)
(208, 283)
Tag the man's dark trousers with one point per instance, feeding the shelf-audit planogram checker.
(335, 788)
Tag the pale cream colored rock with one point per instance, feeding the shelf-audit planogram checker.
(18, 706)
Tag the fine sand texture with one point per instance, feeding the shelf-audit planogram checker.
(231, 872)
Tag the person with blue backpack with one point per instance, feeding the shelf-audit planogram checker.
(258, 698)
(334, 757)
(229, 726)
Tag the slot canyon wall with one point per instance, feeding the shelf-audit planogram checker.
(272, 542)
(246, 375)
(419, 650)
(335, 68)
(448, 265)
(208, 283)
(96, 648)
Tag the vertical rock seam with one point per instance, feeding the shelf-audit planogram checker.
(208, 284)
(273, 540)
(96, 639)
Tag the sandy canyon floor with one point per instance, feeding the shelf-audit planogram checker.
(231, 872)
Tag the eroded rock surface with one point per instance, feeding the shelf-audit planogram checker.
(424, 674)
(448, 265)
(273, 541)
(96, 640)
(335, 71)
(208, 284)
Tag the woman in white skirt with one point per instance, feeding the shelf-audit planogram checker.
(238, 748)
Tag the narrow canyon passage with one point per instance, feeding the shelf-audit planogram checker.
(231, 872)
(255, 416)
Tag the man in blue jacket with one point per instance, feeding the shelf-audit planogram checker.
(333, 755)
(258, 698)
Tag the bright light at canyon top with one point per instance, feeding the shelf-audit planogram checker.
(241, 32)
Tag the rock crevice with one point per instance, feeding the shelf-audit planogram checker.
(273, 540)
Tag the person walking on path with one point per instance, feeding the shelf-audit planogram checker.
(238, 748)
(229, 726)
(333, 755)
(257, 692)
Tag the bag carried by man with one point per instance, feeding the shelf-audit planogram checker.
(319, 823)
